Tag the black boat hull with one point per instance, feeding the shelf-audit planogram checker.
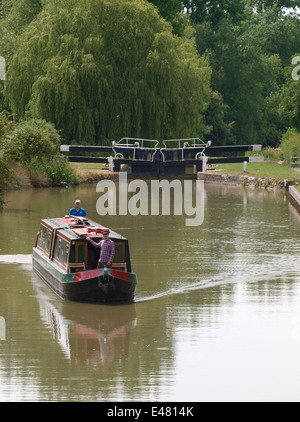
(90, 286)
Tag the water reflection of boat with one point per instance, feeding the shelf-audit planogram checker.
(91, 334)
(68, 262)
(104, 342)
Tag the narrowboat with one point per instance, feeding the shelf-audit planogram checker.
(67, 261)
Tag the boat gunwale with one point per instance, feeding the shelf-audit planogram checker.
(62, 287)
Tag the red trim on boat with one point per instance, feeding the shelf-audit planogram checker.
(120, 274)
(85, 275)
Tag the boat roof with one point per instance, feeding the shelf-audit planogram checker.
(78, 227)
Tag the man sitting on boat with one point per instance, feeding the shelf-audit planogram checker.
(107, 251)
(77, 211)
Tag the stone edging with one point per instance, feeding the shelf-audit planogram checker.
(257, 182)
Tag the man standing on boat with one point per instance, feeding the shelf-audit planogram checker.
(107, 251)
(77, 211)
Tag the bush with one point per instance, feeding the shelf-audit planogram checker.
(6, 123)
(35, 144)
(57, 169)
(290, 145)
(30, 140)
(272, 154)
(37, 177)
(5, 178)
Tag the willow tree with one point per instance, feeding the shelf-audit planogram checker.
(104, 69)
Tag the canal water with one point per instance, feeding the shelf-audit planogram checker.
(216, 317)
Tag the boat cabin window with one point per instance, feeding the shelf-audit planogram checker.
(119, 252)
(80, 252)
(67, 254)
(45, 239)
(77, 256)
(58, 249)
(61, 251)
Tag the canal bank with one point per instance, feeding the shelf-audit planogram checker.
(270, 183)
(86, 174)
(30, 178)
(245, 180)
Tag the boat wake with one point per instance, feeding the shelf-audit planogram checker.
(203, 284)
(285, 269)
(16, 259)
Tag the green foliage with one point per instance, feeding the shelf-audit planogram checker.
(20, 12)
(32, 143)
(247, 59)
(290, 98)
(290, 145)
(6, 178)
(17, 15)
(56, 168)
(272, 154)
(104, 69)
(275, 33)
(215, 10)
(221, 132)
(171, 11)
(6, 124)
(167, 8)
(262, 5)
(241, 73)
(30, 139)
(236, 11)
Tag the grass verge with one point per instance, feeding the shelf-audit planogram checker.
(90, 172)
(266, 169)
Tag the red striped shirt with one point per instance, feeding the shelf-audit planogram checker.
(107, 251)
